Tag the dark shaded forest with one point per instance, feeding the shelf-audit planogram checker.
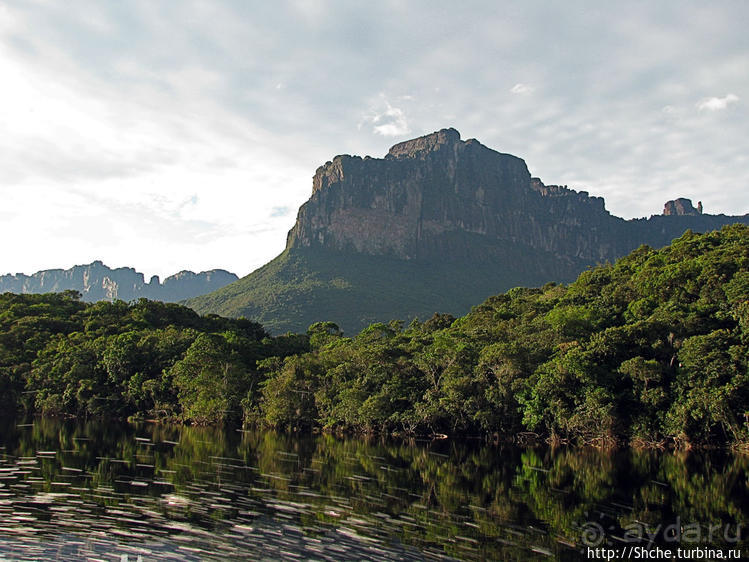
(651, 350)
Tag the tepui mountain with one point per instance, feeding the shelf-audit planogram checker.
(437, 225)
(96, 281)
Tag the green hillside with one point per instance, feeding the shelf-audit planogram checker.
(652, 349)
(304, 285)
(437, 225)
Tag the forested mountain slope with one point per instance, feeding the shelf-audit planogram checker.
(650, 349)
(438, 224)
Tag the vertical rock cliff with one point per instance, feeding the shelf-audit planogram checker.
(96, 281)
(441, 223)
(411, 203)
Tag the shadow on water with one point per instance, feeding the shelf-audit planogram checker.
(73, 490)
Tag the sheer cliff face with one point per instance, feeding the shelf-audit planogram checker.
(415, 203)
(438, 224)
(430, 198)
(96, 281)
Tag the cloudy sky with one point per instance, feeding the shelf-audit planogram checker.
(169, 135)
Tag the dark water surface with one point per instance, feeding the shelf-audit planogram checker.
(106, 491)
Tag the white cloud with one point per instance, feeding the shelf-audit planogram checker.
(717, 104)
(391, 122)
(112, 120)
(312, 11)
(136, 172)
(522, 89)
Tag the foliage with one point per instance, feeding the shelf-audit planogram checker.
(61, 356)
(306, 285)
(651, 348)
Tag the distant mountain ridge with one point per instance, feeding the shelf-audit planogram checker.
(437, 225)
(96, 281)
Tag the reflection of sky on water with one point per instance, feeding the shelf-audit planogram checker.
(72, 490)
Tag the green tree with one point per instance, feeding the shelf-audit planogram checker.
(210, 380)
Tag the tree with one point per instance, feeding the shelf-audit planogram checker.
(210, 381)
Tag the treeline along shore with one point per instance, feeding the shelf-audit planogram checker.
(650, 350)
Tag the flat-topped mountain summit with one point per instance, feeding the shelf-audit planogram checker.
(95, 281)
(438, 224)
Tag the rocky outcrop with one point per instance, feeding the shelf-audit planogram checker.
(187, 284)
(437, 225)
(96, 281)
(419, 201)
(681, 206)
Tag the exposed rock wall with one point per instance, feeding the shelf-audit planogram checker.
(681, 206)
(417, 201)
(96, 281)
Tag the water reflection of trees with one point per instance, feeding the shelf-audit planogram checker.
(465, 499)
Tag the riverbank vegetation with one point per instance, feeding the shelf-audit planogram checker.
(61, 356)
(652, 349)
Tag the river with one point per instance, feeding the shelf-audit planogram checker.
(72, 490)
